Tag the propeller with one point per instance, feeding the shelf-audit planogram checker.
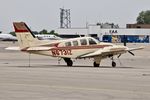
(119, 55)
(125, 41)
(131, 53)
(128, 52)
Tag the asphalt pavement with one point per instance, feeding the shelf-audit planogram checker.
(47, 78)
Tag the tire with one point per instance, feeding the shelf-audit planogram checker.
(113, 64)
(69, 63)
(95, 64)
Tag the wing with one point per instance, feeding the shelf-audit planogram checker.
(110, 51)
(133, 49)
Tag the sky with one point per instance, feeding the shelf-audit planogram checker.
(45, 14)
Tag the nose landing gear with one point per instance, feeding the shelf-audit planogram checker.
(113, 64)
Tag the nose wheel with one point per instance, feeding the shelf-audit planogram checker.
(113, 64)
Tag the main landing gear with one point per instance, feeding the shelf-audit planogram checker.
(95, 64)
(113, 62)
(97, 61)
(68, 61)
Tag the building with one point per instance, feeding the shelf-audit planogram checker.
(132, 35)
(145, 26)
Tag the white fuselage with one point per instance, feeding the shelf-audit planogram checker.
(74, 48)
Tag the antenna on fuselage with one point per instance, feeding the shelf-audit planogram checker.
(78, 34)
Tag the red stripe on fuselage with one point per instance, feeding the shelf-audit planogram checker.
(83, 47)
(75, 47)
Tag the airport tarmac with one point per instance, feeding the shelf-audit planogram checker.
(49, 79)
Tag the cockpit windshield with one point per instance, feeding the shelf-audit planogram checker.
(92, 41)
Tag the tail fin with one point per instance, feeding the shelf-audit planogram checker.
(25, 37)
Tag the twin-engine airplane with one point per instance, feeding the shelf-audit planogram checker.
(75, 48)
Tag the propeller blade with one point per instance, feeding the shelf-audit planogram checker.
(131, 53)
(119, 55)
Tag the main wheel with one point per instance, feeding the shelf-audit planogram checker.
(95, 64)
(69, 63)
(113, 64)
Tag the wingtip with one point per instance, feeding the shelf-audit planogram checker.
(142, 47)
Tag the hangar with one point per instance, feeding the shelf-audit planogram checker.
(110, 34)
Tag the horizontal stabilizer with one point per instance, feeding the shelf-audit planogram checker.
(38, 48)
(30, 48)
(13, 48)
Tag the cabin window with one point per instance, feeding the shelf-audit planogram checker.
(83, 42)
(68, 44)
(75, 43)
(91, 41)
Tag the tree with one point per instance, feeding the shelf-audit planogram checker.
(12, 33)
(53, 32)
(144, 17)
(44, 31)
